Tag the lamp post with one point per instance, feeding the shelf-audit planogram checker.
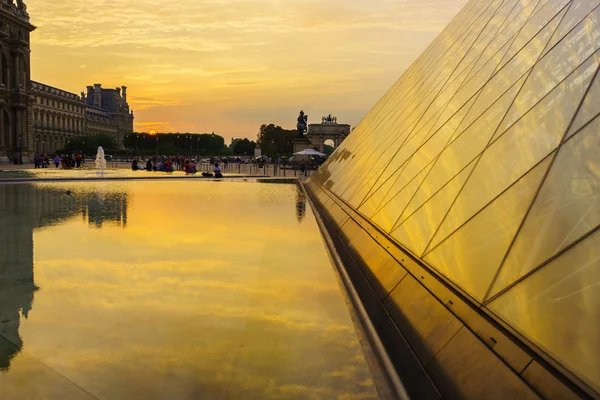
(198, 155)
(178, 152)
(157, 145)
(212, 137)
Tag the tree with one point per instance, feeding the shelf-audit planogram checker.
(242, 147)
(176, 143)
(327, 149)
(89, 144)
(276, 141)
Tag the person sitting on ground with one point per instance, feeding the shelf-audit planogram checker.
(134, 165)
(189, 168)
(149, 165)
(168, 166)
(217, 171)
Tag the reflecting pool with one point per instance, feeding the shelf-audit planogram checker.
(170, 290)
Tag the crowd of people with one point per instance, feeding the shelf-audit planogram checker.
(170, 164)
(63, 161)
(188, 165)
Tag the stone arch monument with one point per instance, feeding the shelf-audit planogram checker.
(317, 134)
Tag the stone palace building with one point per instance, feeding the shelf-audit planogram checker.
(35, 117)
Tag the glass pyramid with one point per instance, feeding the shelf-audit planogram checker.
(483, 161)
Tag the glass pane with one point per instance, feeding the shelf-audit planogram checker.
(541, 83)
(558, 308)
(589, 109)
(578, 10)
(472, 255)
(525, 144)
(465, 148)
(567, 207)
(469, 90)
(388, 215)
(389, 159)
(423, 157)
(514, 70)
(513, 24)
(535, 24)
(416, 231)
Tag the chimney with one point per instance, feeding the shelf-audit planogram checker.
(90, 93)
(124, 94)
(97, 95)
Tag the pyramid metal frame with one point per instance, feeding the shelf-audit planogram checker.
(483, 162)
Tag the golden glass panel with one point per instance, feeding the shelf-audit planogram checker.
(558, 308)
(379, 267)
(541, 17)
(512, 25)
(388, 215)
(423, 157)
(471, 256)
(373, 203)
(578, 10)
(543, 80)
(589, 109)
(567, 207)
(357, 190)
(518, 150)
(513, 70)
(465, 148)
(416, 231)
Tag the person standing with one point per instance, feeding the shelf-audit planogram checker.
(56, 160)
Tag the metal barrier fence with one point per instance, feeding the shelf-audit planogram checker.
(271, 170)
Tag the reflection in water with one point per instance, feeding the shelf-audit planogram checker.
(300, 205)
(214, 290)
(24, 208)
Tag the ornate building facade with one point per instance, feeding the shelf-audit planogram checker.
(35, 117)
(58, 116)
(16, 139)
(108, 112)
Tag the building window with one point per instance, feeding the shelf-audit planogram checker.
(4, 70)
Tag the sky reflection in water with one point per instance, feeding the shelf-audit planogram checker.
(156, 290)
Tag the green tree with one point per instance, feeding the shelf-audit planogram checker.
(327, 149)
(176, 143)
(89, 144)
(276, 141)
(242, 147)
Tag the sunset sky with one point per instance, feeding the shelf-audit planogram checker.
(231, 65)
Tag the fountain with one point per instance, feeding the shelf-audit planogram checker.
(100, 160)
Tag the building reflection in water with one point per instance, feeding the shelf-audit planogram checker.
(24, 208)
(300, 205)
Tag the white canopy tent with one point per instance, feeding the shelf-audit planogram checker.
(310, 152)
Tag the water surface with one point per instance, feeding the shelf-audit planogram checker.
(170, 290)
